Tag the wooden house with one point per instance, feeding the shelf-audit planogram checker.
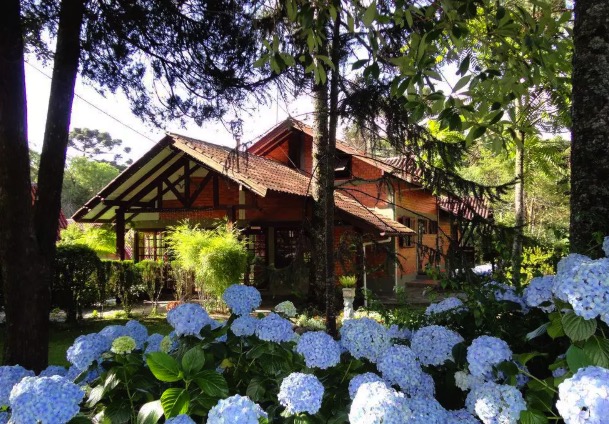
(388, 227)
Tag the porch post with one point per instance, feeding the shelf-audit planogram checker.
(120, 234)
(136, 246)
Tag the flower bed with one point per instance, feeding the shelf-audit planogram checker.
(257, 369)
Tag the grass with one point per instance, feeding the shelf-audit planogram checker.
(62, 336)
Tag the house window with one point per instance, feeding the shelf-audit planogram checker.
(286, 241)
(342, 167)
(406, 241)
(423, 226)
(151, 245)
(294, 152)
(433, 227)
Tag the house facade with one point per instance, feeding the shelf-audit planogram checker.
(388, 228)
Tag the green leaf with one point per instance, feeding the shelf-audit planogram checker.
(408, 16)
(150, 413)
(369, 14)
(163, 366)
(193, 361)
(578, 328)
(555, 329)
(523, 358)
(476, 132)
(576, 358)
(464, 66)
(211, 383)
(255, 390)
(537, 332)
(461, 83)
(96, 394)
(530, 416)
(80, 419)
(597, 350)
(359, 63)
(175, 402)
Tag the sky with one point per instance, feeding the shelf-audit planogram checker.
(113, 115)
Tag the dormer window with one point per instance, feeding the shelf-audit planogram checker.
(342, 167)
(295, 152)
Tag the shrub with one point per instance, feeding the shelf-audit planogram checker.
(77, 279)
(124, 282)
(153, 275)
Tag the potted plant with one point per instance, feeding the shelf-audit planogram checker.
(348, 284)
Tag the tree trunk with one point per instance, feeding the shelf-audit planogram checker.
(519, 211)
(590, 130)
(25, 342)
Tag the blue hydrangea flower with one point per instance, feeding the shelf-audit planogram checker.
(52, 370)
(153, 343)
(286, 308)
(586, 288)
(426, 411)
(538, 292)
(606, 246)
(169, 343)
(397, 333)
(137, 332)
(495, 403)
(91, 375)
(4, 417)
(301, 393)
(242, 299)
(398, 365)
(274, 328)
(180, 419)
(364, 338)
(504, 293)
(434, 344)
(235, 409)
(376, 403)
(9, 376)
(584, 398)
(113, 332)
(188, 319)
(51, 400)
(452, 304)
(484, 353)
(570, 262)
(466, 381)
(319, 349)
(358, 380)
(461, 416)
(425, 389)
(86, 349)
(244, 326)
(559, 372)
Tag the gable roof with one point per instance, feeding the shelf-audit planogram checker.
(255, 173)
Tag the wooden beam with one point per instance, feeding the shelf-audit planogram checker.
(187, 173)
(120, 234)
(185, 209)
(216, 191)
(176, 192)
(200, 187)
(123, 203)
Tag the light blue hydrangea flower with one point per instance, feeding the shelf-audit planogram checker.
(484, 353)
(358, 380)
(244, 326)
(538, 292)
(559, 372)
(301, 393)
(398, 365)
(466, 381)
(180, 419)
(462, 416)
(397, 333)
(86, 349)
(495, 403)
(452, 304)
(426, 411)
(52, 370)
(505, 293)
(364, 338)
(153, 343)
(113, 332)
(137, 332)
(242, 299)
(4, 417)
(319, 349)
(425, 389)
(376, 403)
(274, 328)
(570, 262)
(9, 376)
(606, 246)
(584, 398)
(434, 344)
(586, 288)
(188, 319)
(286, 308)
(51, 400)
(235, 409)
(169, 343)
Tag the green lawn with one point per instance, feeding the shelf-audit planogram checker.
(62, 335)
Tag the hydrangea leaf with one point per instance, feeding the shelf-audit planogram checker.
(577, 358)
(578, 328)
(150, 413)
(597, 350)
(255, 390)
(193, 361)
(96, 394)
(532, 417)
(175, 401)
(163, 366)
(211, 383)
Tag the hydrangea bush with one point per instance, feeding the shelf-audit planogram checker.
(454, 368)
